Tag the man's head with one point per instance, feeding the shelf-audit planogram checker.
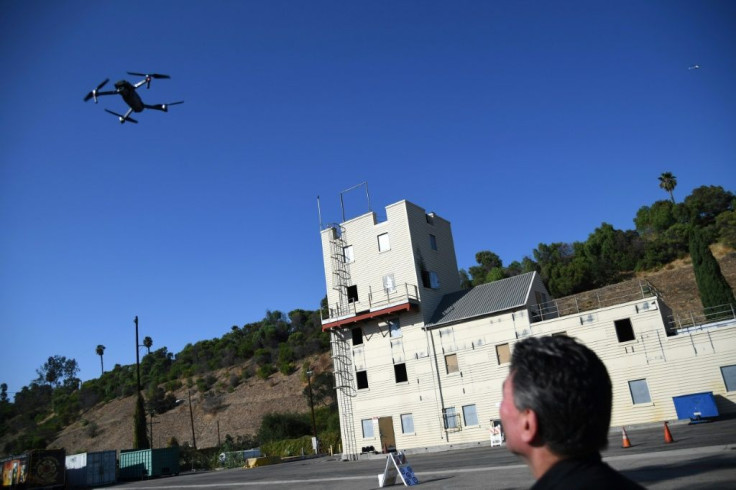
(559, 390)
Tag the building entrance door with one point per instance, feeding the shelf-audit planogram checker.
(386, 432)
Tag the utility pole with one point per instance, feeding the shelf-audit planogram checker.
(191, 418)
(137, 357)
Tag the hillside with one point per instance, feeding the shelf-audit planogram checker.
(240, 412)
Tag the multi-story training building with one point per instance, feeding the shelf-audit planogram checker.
(419, 362)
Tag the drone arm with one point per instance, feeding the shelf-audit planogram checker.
(146, 81)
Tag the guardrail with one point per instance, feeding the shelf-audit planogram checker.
(402, 293)
(593, 300)
(714, 314)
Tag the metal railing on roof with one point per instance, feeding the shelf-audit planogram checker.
(593, 300)
(706, 316)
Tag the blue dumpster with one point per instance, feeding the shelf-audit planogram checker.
(698, 407)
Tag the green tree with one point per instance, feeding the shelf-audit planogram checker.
(489, 268)
(140, 434)
(100, 352)
(58, 371)
(705, 203)
(147, 343)
(726, 228)
(279, 426)
(611, 253)
(650, 221)
(668, 182)
(712, 286)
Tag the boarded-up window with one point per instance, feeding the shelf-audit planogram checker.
(367, 428)
(451, 363)
(503, 354)
(639, 391)
(729, 377)
(384, 244)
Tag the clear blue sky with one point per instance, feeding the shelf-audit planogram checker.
(520, 122)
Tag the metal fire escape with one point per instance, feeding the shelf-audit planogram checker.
(340, 271)
(340, 340)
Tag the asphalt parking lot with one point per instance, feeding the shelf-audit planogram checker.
(701, 456)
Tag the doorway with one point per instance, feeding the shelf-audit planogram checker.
(386, 434)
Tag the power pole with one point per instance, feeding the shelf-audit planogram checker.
(191, 418)
(137, 357)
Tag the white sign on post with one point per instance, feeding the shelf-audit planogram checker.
(397, 467)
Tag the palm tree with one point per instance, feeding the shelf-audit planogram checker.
(147, 343)
(668, 182)
(100, 352)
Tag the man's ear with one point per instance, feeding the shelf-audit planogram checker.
(529, 426)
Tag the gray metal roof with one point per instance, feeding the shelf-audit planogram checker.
(505, 294)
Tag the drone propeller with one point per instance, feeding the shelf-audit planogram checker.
(148, 76)
(93, 93)
(121, 118)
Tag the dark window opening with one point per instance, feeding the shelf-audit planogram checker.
(357, 336)
(352, 294)
(624, 330)
(361, 377)
(400, 373)
(425, 279)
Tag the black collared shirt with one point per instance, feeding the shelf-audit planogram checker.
(584, 474)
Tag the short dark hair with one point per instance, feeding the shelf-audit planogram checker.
(568, 387)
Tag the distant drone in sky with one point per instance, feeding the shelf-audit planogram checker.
(694, 67)
(128, 92)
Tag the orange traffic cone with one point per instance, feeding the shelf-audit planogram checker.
(625, 443)
(667, 434)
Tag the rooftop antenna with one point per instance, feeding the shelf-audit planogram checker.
(367, 196)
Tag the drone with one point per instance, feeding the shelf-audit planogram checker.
(128, 92)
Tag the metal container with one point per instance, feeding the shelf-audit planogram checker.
(147, 463)
(696, 406)
(91, 469)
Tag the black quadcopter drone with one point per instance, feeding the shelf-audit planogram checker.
(128, 92)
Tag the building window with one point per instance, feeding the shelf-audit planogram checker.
(407, 423)
(384, 244)
(503, 354)
(348, 254)
(450, 417)
(352, 294)
(389, 285)
(624, 330)
(432, 242)
(394, 328)
(361, 377)
(357, 335)
(400, 373)
(367, 428)
(470, 415)
(451, 363)
(639, 391)
(430, 279)
(729, 377)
